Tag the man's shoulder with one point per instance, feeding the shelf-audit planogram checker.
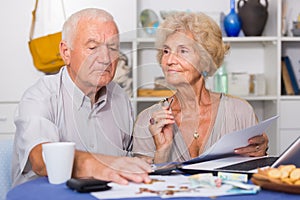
(116, 90)
(46, 85)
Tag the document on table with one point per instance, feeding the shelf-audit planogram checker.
(225, 145)
(169, 187)
(223, 148)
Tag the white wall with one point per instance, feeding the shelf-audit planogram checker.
(17, 70)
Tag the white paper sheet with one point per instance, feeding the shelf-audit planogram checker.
(231, 141)
(167, 183)
(213, 164)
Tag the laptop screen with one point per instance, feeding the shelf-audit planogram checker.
(290, 156)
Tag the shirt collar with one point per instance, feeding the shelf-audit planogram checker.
(102, 99)
(79, 99)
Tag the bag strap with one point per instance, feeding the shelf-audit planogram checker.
(34, 17)
(33, 20)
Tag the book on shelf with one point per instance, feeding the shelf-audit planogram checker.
(287, 88)
(289, 76)
(282, 88)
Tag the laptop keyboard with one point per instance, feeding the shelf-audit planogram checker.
(251, 164)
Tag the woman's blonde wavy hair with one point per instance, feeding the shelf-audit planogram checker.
(205, 32)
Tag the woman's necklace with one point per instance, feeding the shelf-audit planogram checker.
(196, 135)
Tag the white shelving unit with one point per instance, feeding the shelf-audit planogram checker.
(289, 106)
(248, 54)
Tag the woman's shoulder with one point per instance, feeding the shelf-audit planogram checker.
(234, 114)
(234, 101)
(237, 108)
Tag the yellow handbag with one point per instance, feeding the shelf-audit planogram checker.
(45, 50)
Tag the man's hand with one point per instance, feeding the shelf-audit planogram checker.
(258, 146)
(111, 168)
(36, 161)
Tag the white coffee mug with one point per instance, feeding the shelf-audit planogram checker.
(59, 158)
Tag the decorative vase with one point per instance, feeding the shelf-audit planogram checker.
(232, 21)
(254, 16)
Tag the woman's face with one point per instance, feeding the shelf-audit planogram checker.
(181, 59)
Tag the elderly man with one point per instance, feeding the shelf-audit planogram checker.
(80, 104)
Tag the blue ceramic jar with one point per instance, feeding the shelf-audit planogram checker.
(232, 22)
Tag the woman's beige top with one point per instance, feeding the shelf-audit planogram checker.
(233, 114)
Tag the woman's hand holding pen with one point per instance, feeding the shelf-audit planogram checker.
(161, 127)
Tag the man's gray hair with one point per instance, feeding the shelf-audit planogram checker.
(70, 25)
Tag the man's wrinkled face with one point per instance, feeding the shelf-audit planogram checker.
(94, 53)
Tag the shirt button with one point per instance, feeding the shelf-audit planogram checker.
(92, 146)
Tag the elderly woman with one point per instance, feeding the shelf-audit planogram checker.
(190, 48)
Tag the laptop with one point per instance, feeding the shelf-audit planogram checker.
(246, 165)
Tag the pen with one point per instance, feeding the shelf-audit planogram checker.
(170, 103)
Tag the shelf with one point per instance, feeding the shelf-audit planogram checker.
(145, 40)
(250, 39)
(226, 39)
(290, 39)
(290, 97)
(260, 98)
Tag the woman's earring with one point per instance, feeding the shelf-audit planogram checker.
(204, 74)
